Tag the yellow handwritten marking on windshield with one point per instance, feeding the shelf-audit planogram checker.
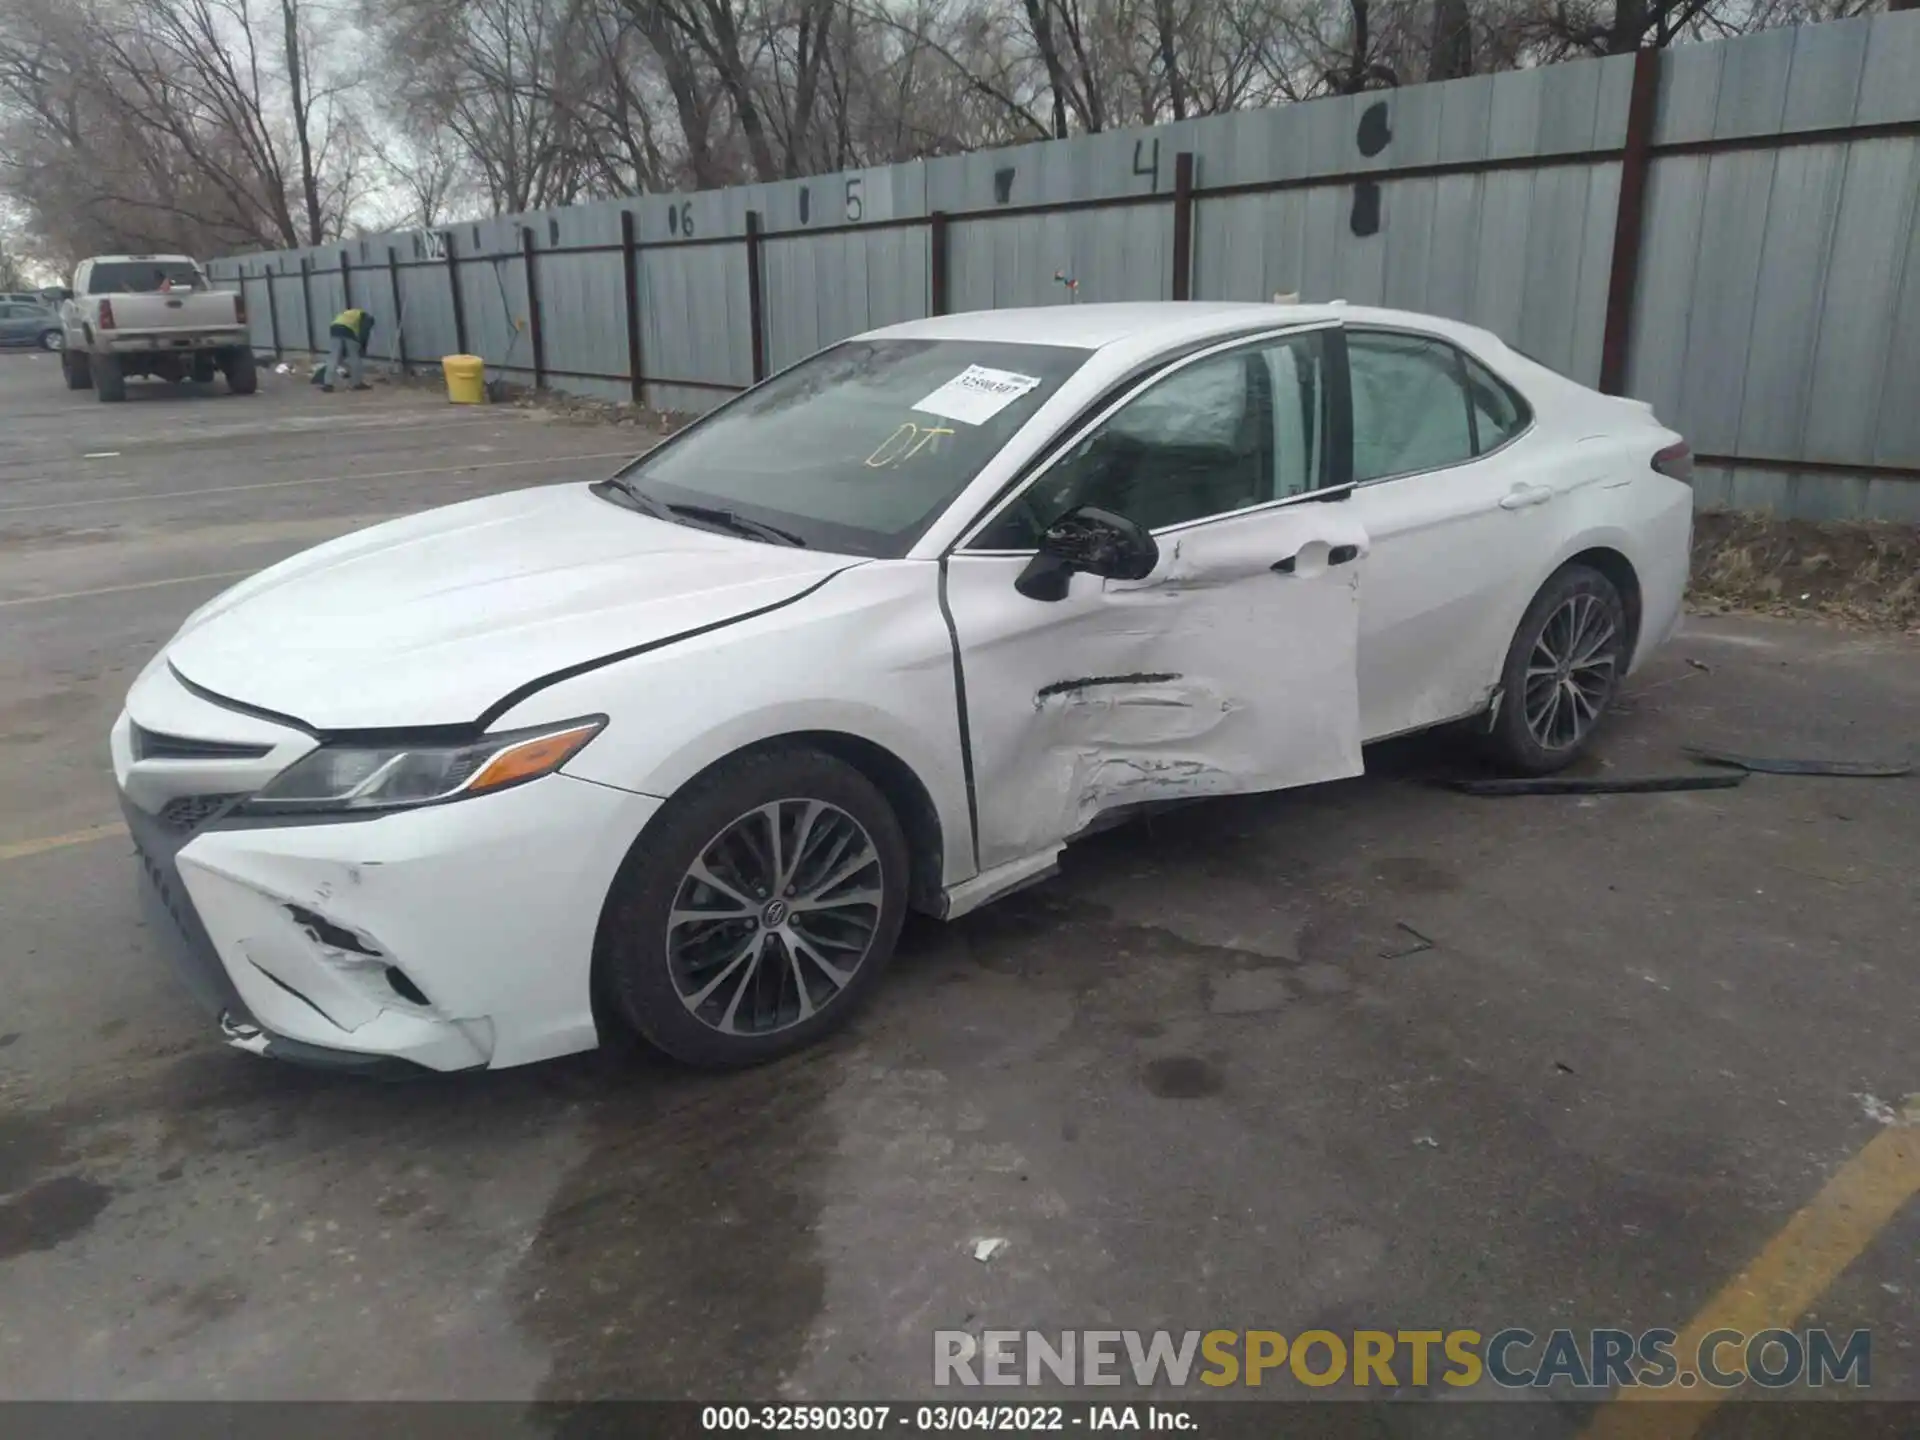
(905, 443)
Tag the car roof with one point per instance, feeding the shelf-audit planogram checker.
(1151, 326)
(1093, 327)
(140, 259)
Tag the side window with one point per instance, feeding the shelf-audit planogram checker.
(1220, 435)
(1498, 413)
(1409, 406)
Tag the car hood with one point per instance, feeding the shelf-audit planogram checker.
(432, 619)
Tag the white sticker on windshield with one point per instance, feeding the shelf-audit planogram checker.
(977, 394)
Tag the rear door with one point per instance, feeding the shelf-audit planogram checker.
(1457, 501)
(13, 326)
(1231, 667)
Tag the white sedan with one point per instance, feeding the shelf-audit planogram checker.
(674, 752)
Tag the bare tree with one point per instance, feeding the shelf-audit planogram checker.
(210, 125)
(1450, 56)
(172, 124)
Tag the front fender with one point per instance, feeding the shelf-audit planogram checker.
(867, 656)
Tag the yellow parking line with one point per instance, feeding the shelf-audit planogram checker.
(19, 849)
(1782, 1282)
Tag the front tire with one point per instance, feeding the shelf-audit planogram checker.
(243, 374)
(757, 912)
(109, 379)
(1562, 672)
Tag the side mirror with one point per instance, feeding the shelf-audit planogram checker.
(1098, 542)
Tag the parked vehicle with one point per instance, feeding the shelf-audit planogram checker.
(675, 752)
(28, 323)
(153, 315)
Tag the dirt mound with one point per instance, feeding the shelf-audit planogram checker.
(1864, 572)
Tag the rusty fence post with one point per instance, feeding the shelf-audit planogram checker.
(273, 309)
(306, 300)
(937, 253)
(1183, 225)
(630, 285)
(756, 304)
(534, 331)
(453, 291)
(1623, 280)
(346, 281)
(397, 347)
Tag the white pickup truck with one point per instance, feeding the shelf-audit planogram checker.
(152, 315)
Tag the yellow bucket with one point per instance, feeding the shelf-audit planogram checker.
(466, 379)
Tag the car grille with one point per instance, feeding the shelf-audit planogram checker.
(187, 813)
(152, 745)
(158, 876)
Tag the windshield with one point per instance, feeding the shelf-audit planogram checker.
(139, 277)
(858, 449)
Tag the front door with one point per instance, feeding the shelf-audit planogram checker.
(1230, 668)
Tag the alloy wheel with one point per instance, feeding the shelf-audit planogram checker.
(1570, 672)
(773, 918)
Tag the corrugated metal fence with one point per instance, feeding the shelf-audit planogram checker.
(1727, 231)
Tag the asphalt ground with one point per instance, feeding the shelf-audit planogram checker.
(1374, 1055)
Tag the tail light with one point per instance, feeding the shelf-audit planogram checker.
(1675, 462)
(106, 315)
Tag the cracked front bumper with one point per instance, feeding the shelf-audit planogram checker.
(450, 937)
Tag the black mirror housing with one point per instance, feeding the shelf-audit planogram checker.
(1092, 540)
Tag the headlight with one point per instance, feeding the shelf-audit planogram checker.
(392, 777)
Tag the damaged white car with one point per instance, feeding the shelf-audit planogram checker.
(676, 751)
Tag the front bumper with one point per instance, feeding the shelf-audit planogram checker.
(450, 937)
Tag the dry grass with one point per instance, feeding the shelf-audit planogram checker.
(1866, 573)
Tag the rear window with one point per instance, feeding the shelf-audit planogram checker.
(141, 277)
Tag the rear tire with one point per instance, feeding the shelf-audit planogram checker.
(52, 340)
(1563, 670)
(205, 367)
(243, 374)
(764, 995)
(74, 364)
(109, 379)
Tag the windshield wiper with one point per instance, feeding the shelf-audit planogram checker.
(737, 523)
(642, 501)
(703, 515)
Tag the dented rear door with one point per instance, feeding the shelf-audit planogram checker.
(1231, 668)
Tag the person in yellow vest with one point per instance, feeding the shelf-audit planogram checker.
(348, 335)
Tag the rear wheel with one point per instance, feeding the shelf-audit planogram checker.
(52, 340)
(109, 379)
(243, 375)
(757, 912)
(74, 365)
(205, 367)
(1563, 670)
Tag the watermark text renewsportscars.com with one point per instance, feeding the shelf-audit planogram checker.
(1512, 1358)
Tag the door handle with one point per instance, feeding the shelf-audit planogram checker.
(1336, 555)
(1521, 496)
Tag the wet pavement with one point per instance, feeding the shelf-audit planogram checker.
(1372, 1055)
